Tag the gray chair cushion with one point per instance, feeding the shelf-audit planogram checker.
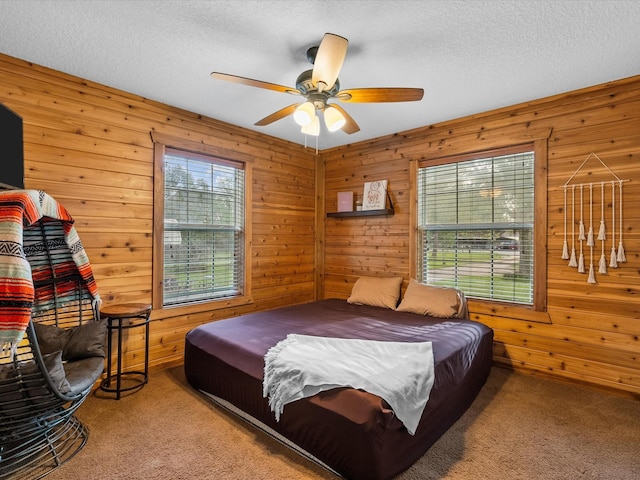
(53, 362)
(87, 341)
(51, 339)
(76, 343)
(82, 374)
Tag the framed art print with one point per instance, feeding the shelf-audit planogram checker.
(375, 195)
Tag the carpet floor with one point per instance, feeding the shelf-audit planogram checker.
(519, 427)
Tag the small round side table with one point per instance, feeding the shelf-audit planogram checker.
(122, 317)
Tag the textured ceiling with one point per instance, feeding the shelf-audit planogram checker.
(469, 56)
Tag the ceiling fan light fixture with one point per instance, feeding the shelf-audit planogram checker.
(304, 114)
(320, 85)
(333, 119)
(328, 61)
(313, 128)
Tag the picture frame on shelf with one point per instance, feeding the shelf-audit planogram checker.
(375, 195)
(345, 201)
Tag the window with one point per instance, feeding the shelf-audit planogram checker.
(200, 228)
(476, 218)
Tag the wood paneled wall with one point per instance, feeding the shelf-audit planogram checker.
(89, 146)
(590, 333)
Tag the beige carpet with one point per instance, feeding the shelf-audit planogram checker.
(520, 427)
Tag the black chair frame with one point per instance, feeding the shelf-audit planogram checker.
(39, 431)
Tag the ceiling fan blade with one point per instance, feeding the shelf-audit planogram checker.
(378, 95)
(350, 126)
(254, 83)
(277, 115)
(329, 59)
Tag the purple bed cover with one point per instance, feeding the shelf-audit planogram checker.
(352, 431)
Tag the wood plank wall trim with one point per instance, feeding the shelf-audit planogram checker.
(319, 227)
(413, 218)
(540, 148)
(157, 264)
(200, 147)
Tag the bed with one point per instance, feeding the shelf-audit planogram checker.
(351, 431)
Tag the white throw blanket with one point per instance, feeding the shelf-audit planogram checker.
(301, 366)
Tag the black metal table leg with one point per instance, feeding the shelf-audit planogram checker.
(122, 317)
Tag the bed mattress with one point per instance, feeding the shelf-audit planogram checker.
(354, 432)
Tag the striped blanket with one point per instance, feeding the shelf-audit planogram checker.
(20, 209)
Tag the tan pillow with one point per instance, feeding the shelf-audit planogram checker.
(376, 291)
(422, 299)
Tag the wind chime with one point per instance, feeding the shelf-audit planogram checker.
(586, 238)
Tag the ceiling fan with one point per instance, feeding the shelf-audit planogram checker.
(320, 85)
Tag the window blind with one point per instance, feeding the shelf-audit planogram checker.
(203, 228)
(475, 222)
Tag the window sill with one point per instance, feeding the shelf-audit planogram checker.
(191, 308)
(507, 310)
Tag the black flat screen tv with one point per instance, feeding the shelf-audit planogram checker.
(11, 144)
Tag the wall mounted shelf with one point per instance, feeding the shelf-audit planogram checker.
(361, 213)
(365, 213)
